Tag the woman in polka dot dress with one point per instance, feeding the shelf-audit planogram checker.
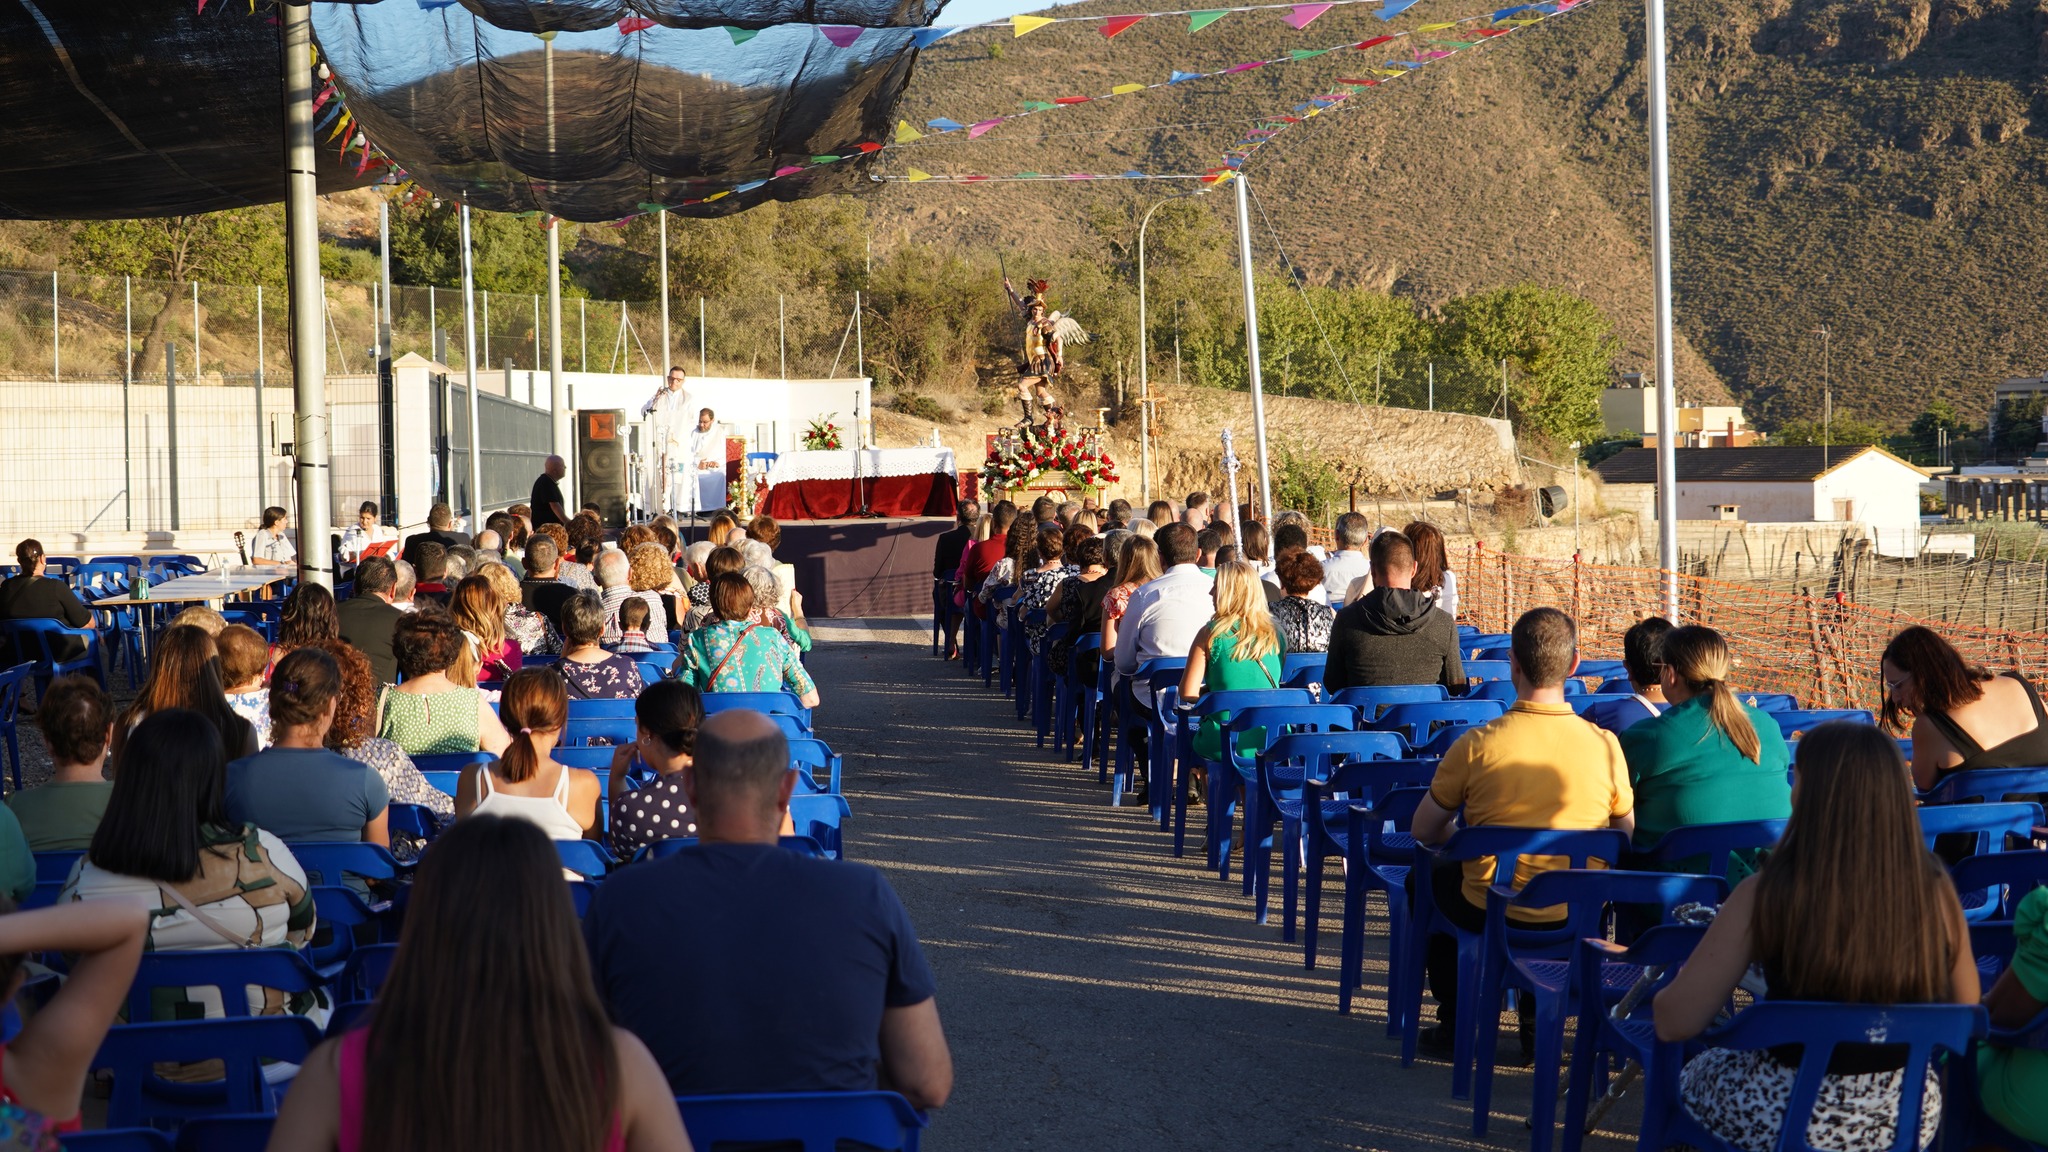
(666, 717)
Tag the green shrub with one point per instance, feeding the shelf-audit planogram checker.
(922, 407)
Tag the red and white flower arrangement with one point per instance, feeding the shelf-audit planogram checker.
(1022, 457)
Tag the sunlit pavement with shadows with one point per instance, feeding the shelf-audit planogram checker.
(1099, 993)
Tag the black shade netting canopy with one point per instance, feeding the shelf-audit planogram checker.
(596, 125)
(123, 108)
(592, 15)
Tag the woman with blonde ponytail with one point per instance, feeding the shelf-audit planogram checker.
(1709, 758)
(525, 782)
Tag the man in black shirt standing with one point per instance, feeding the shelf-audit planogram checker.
(34, 596)
(946, 574)
(548, 505)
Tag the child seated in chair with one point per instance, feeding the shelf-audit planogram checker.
(633, 616)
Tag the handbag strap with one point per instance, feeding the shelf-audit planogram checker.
(712, 679)
(217, 928)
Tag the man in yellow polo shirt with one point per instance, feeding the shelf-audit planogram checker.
(1537, 766)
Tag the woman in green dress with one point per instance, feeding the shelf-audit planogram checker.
(1238, 648)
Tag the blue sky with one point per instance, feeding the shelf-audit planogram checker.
(976, 11)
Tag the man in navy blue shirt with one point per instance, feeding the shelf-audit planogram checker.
(747, 968)
(1642, 654)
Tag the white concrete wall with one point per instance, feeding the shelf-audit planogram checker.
(747, 407)
(1883, 493)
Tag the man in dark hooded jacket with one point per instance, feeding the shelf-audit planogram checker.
(1393, 634)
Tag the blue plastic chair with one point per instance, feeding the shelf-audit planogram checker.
(1770, 701)
(225, 1134)
(1301, 669)
(818, 816)
(1501, 690)
(12, 683)
(1707, 849)
(242, 1043)
(1797, 723)
(334, 861)
(1989, 823)
(118, 1140)
(1379, 852)
(773, 703)
(602, 709)
(1992, 885)
(1266, 779)
(1606, 1033)
(1991, 785)
(445, 782)
(595, 757)
(1371, 701)
(1343, 769)
(450, 762)
(970, 640)
(816, 1121)
(1546, 965)
(1586, 702)
(1417, 722)
(231, 972)
(1222, 781)
(814, 755)
(1159, 673)
(1817, 1028)
(366, 972)
(651, 671)
(995, 668)
(33, 639)
(1017, 658)
(1074, 699)
(1044, 677)
(1604, 671)
(1507, 846)
(586, 858)
(1486, 669)
(595, 729)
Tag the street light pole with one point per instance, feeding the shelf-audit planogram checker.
(1251, 340)
(1827, 385)
(1660, 259)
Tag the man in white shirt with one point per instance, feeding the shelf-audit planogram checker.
(270, 546)
(698, 456)
(1162, 618)
(668, 411)
(1349, 561)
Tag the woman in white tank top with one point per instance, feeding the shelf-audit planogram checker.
(527, 784)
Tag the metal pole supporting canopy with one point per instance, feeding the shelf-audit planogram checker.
(309, 340)
(1660, 251)
(1251, 343)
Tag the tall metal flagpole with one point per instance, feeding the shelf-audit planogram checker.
(1251, 343)
(665, 347)
(476, 453)
(1660, 256)
(302, 263)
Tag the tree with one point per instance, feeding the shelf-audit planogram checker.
(2019, 426)
(1559, 350)
(508, 253)
(239, 246)
(1843, 431)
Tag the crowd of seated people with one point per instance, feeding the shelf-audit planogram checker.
(1670, 745)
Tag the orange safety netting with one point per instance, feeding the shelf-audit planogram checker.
(1822, 648)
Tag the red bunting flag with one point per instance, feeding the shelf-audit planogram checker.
(1116, 24)
(632, 24)
(870, 146)
(1372, 43)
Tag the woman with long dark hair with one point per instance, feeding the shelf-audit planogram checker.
(488, 1032)
(1851, 908)
(665, 720)
(1433, 565)
(525, 781)
(184, 672)
(306, 615)
(1963, 716)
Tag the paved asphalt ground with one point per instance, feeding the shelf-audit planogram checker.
(1097, 992)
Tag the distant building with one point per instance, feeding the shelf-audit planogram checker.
(1780, 485)
(2015, 390)
(1628, 411)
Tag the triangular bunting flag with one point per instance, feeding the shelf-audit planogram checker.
(825, 159)
(916, 174)
(926, 37)
(788, 170)
(1306, 53)
(1504, 13)
(870, 146)
(1179, 76)
(841, 35)
(1126, 89)
(1019, 25)
(632, 24)
(1134, 174)
(975, 130)
(1116, 24)
(972, 179)
(749, 186)
(1072, 99)
(1200, 20)
(1372, 43)
(741, 35)
(1392, 8)
(1303, 15)
(1246, 66)
(1489, 31)
(717, 195)
(1035, 105)
(905, 133)
(1437, 27)
(944, 125)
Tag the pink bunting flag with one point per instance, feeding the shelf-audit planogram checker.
(1304, 14)
(976, 129)
(791, 170)
(1246, 67)
(841, 35)
(632, 24)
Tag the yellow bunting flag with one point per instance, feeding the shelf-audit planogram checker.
(716, 195)
(1436, 27)
(1019, 25)
(1126, 89)
(905, 133)
(917, 174)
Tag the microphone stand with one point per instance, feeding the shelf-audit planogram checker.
(860, 449)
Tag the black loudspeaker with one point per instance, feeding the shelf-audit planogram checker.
(1551, 499)
(601, 462)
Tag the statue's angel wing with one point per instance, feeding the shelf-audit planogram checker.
(1068, 330)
